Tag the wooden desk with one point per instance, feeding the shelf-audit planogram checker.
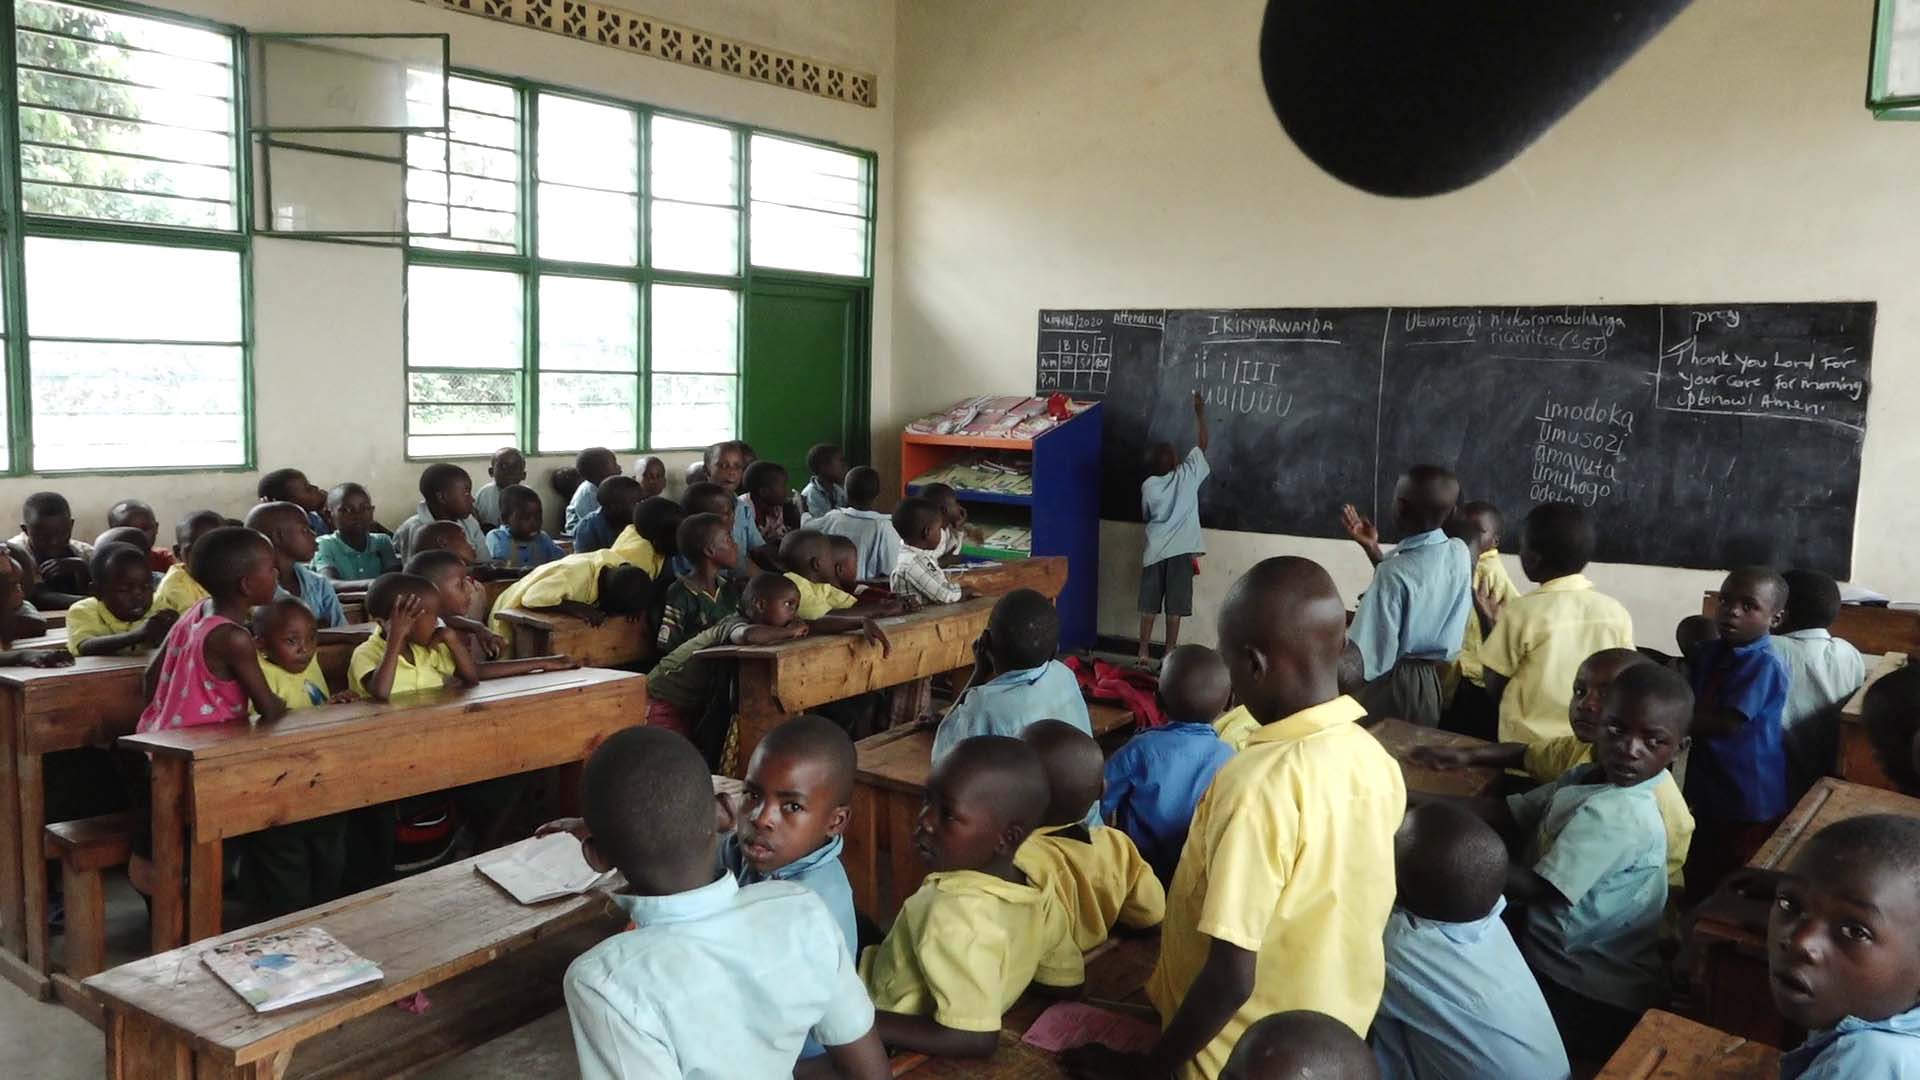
(224, 780)
(44, 710)
(489, 963)
(1731, 960)
(1872, 630)
(54, 638)
(614, 643)
(890, 783)
(1667, 1047)
(1854, 760)
(1400, 738)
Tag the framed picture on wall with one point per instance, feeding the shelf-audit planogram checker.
(1893, 84)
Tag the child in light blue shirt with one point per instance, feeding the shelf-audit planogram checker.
(1015, 679)
(594, 464)
(1170, 505)
(1459, 1002)
(826, 482)
(519, 540)
(1843, 948)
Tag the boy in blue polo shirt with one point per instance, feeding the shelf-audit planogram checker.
(1843, 949)
(1413, 617)
(1737, 774)
(1015, 679)
(1459, 1001)
(1157, 778)
(1170, 505)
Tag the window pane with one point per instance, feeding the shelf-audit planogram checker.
(692, 410)
(463, 318)
(589, 325)
(704, 239)
(813, 177)
(693, 162)
(695, 329)
(588, 145)
(808, 240)
(124, 118)
(465, 193)
(115, 406)
(95, 289)
(588, 410)
(579, 225)
(450, 412)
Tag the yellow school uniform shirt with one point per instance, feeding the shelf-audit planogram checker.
(1098, 882)
(1489, 575)
(177, 591)
(1235, 727)
(1291, 857)
(575, 578)
(818, 598)
(1548, 760)
(964, 947)
(422, 668)
(1540, 642)
(637, 550)
(297, 689)
(90, 618)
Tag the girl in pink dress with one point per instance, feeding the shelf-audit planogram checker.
(207, 670)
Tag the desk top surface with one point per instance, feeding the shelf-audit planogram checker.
(404, 928)
(333, 721)
(1668, 1047)
(1828, 801)
(1400, 738)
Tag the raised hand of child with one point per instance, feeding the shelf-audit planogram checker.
(157, 627)
(1199, 402)
(1358, 527)
(1439, 757)
(872, 632)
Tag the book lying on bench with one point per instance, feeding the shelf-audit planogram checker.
(277, 970)
(544, 869)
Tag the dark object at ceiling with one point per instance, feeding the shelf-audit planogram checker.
(1422, 97)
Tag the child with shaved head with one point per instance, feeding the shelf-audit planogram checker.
(968, 942)
(1823, 672)
(1843, 949)
(1413, 617)
(1154, 782)
(1459, 1002)
(716, 978)
(1299, 1045)
(1016, 679)
(1094, 871)
(286, 525)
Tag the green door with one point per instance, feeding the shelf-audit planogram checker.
(806, 377)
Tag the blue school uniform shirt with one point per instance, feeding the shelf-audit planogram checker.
(1170, 505)
(1418, 604)
(319, 595)
(822, 872)
(719, 981)
(352, 563)
(593, 533)
(873, 536)
(1007, 703)
(1854, 1048)
(1460, 1004)
(818, 498)
(586, 499)
(1742, 776)
(1604, 848)
(502, 547)
(746, 533)
(1153, 784)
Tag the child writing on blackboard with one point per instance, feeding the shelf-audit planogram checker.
(1170, 505)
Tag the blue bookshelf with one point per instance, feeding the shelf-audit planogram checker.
(1063, 511)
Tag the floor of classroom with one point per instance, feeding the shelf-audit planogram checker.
(46, 1041)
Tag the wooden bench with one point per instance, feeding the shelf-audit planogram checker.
(86, 849)
(488, 963)
(1668, 1047)
(1401, 739)
(890, 782)
(1872, 630)
(44, 710)
(216, 782)
(1730, 960)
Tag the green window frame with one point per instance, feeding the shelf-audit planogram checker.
(596, 325)
(125, 166)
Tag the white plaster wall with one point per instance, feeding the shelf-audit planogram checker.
(1095, 153)
(328, 372)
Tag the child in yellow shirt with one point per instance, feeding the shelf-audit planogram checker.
(178, 592)
(969, 941)
(1481, 525)
(588, 586)
(120, 616)
(807, 555)
(287, 637)
(409, 649)
(462, 602)
(1097, 874)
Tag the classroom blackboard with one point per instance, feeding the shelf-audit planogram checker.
(1696, 435)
